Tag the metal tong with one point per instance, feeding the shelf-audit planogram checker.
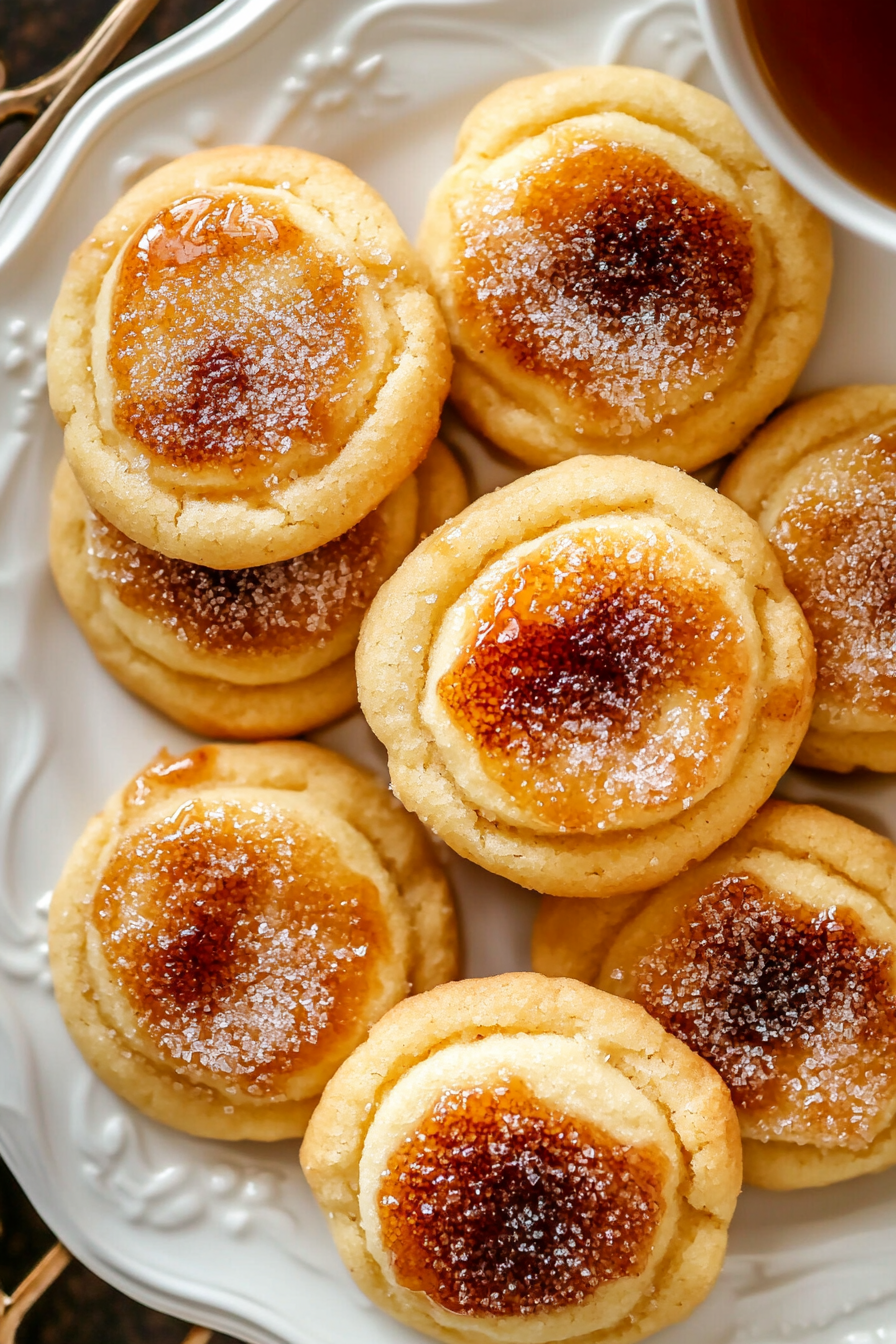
(49, 98)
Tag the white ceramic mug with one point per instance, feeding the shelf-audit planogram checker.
(755, 104)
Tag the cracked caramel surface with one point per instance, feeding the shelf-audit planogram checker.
(835, 537)
(242, 943)
(233, 337)
(607, 273)
(259, 610)
(794, 1007)
(603, 676)
(499, 1206)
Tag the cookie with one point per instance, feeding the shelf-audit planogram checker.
(820, 479)
(589, 678)
(621, 270)
(775, 960)
(231, 924)
(246, 357)
(522, 1159)
(251, 653)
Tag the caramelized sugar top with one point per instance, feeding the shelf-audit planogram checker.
(794, 1008)
(609, 274)
(240, 941)
(499, 1206)
(261, 610)
(232, 337)
(166, 772)
(836, 540)
(603, 676)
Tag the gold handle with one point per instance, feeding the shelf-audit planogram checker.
(59, 90)
(13, 1308)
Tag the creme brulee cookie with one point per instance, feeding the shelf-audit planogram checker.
(590, 678)
(245, 357)
(821, 481)
(526, 1160)
(776, 961)
(231, 924)
(250, 653)
(621, 270)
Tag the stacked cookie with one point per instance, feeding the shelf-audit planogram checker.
(247, 388)
(589, 682)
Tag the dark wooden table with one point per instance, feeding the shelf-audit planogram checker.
(36, 35)
(77, 1308)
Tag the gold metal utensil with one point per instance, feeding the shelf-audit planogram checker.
(50, 97)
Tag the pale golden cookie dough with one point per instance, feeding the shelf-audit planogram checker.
(517, 1159)
(620, 269)
(820, 479)
(775, 960)
(245, 356)
(231, 924)
(590, 678)
(442, 489)
(176, 644)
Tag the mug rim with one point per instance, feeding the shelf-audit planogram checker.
(753, 101)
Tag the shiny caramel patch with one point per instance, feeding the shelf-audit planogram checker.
(233, 337)
(499, 1206)
(836, 540)
(604, 676)
(242, 944)
(260, 610)
(609, 274)
(166, 772)
(794, 1007)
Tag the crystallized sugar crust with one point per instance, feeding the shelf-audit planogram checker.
(775, 959)
(463, 1150)
(268, 290)
(175, 634)
(228, 928)
(620, 270)
(427, 622)
(820, 479)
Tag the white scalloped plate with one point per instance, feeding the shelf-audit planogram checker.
(229, 1235)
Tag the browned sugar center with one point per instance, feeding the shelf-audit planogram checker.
(500, 1206)
(793, 1007)
(232, 336)
(608, 273)
(574, 656)
(240, 941)
(166, 772)
(836, 540)
(260, 610)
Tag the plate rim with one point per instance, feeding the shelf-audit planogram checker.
(210, 36)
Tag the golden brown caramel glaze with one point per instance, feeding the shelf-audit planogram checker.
(261, 610)
(499, 1206)
(575, 656)
(241, 942)
(608, 273)
(171, 772)
(232, 336)
(794, 1007)
(836, 540)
